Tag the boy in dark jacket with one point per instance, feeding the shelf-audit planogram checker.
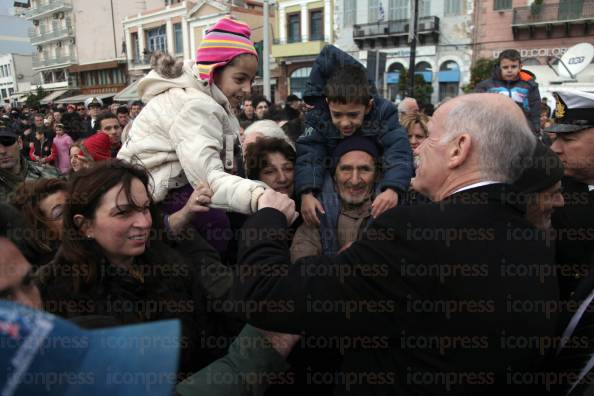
(345, 103)
(509, 79)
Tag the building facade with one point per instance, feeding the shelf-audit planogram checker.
(16, 54)
(303, 28)
(178, 29)
(80, 46)
(444, 40)
(16, 75)
(540, 31)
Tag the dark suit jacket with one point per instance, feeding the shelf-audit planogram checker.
(574, 224)
(438, 298)
(88, 128)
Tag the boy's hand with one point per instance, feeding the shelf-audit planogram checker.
(386, 200)
(309, 205)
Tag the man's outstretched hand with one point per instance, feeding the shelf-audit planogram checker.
(280, 202)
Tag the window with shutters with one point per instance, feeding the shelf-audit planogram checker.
(294, 28)
(316, 25)
(502, 4)
(350, 12)
(424, 8)
(157, 39)
(179, 41)
(373, 7)
(399, 9)
(453, 7)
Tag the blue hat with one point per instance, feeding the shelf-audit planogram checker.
(355, 143)
(42, 354)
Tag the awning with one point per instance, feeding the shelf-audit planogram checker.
(53, 96)
(128, 94)
(82, 98)
(19, 98)
(448, 76)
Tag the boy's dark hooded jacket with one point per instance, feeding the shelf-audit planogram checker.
(523, 91)
(320, 137)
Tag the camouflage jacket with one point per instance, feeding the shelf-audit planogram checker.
(29, 171)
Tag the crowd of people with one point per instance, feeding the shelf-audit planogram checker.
(339, 244)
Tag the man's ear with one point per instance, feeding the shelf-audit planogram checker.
(20, 143)
(83, 224)
(369, 106)
(459, 151)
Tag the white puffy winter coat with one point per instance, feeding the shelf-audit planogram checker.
(180, 136)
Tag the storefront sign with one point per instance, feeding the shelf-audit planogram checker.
(536, 52)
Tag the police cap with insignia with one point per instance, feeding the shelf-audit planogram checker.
(574, 111)
(93, 102)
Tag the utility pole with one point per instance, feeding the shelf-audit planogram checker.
(115, 46)
(265, 51)
(412, 39)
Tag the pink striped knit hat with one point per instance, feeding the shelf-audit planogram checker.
(227, 39)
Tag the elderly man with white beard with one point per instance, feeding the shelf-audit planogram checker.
(447, 295)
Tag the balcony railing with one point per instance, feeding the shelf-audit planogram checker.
(45, 34)
(144, 60)
(395, 28)
(50, 7)
(39, 62)
(569, 11)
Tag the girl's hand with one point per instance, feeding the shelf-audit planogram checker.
(197, 203)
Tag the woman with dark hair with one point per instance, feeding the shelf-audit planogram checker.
(261, 107)
(42, 204)
(116, 260)
(78, 160)
(272, 161)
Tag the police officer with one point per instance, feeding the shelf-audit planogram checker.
(574, 144)
(93, 106)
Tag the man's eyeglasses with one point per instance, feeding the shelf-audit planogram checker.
(7, 141)
(80, 109)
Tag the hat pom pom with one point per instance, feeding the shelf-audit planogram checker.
(166, 65)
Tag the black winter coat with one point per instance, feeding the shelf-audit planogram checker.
(574, 226)
(170, 288)
(434, 300)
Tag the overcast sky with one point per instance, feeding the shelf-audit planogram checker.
(5, 6)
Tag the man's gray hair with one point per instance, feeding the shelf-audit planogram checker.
(503, 140)
(405, 104)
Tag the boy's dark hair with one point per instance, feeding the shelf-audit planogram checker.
(137, 103)
(106, 115)
(510, 54)
(545, 108)
(348, 84)
(122, 110)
